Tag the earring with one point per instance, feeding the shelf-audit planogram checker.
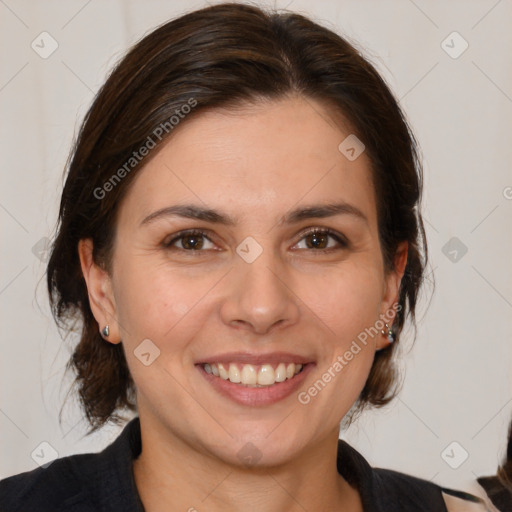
(105, 331)
(390, 334)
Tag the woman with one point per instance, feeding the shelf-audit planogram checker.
(240, 237)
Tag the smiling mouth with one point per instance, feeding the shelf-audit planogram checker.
(255, 376)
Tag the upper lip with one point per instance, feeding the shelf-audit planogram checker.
(256, 359)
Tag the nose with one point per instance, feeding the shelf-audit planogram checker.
(259, 298)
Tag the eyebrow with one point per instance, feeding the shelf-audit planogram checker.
(323, 211)
(319, 211)
(190, 212)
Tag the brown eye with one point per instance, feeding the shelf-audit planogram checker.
(322, 240)
(317, 240)
(190, 241)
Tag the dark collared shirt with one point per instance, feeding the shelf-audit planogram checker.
(104, 482)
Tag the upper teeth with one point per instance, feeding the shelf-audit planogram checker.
(251, 375)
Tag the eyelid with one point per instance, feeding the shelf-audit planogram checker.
(338, 237)
(180, 234)
(341, 239)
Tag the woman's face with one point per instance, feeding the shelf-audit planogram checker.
(216, 272)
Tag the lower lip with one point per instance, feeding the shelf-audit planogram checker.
(253, 396)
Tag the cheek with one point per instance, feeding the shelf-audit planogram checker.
(166, 310)
(348, 306)
(157, 303)
(147, 301)
(347, 299)
(348, 303)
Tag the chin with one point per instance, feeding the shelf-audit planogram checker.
(254, 450)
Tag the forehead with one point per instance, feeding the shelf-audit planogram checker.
(271, 155)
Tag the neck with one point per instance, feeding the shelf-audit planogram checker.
(172, 476)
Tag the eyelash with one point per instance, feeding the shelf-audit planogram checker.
(340, 239)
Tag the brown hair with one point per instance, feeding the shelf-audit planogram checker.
(223, 56)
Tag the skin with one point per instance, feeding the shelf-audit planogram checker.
(255, 165)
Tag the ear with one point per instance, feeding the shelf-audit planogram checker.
(392, 289)
(99, 288)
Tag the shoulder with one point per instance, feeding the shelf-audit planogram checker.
(58, 486)
(417, 494)
(386, 490)
(79, 483)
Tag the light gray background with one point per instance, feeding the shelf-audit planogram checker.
(458, 378)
